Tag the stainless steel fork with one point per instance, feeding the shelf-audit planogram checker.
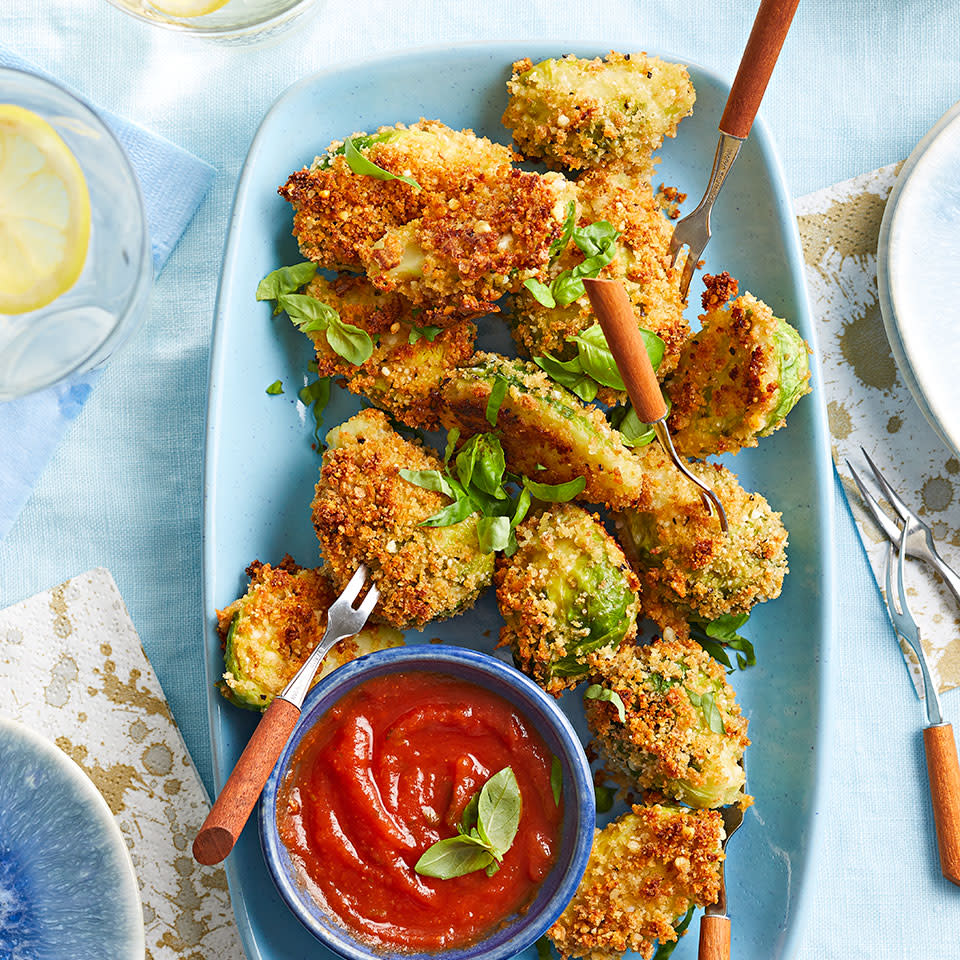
(943, 769)
(221, 829)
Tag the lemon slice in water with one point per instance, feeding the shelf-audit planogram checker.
(44, 212)
(187, 8)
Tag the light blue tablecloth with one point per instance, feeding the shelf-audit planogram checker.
(858, 84)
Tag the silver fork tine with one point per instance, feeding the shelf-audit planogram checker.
(891, 530)
(902, 509)
(351, 590)
(369, 602)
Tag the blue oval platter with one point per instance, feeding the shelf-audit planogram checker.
(260, 469)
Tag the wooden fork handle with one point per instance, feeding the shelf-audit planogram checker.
(944, 773)
(714, 938)
(766, 38)
(613, 309)
(221, 829)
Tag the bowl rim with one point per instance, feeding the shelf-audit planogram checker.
(134, 311)
(434, 658)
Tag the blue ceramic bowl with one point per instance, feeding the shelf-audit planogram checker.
(67, 886)
(540, 709)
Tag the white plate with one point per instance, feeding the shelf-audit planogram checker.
(918, 274)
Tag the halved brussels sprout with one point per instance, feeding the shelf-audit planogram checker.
(274, 626)
(646, 869)
(683, 734)
(568, 592)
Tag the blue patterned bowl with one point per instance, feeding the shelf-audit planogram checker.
(550, 722)
(67, 886)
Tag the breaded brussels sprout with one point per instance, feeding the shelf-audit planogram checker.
(642, 261)
(365, 512)
(567, 592)
(467, 250)
(688, 568)
(269, 631)
(682, 734)
(546, 431)
(583, 113)
(737, 378)
(340, 214)
(410, 356)
(646, 869)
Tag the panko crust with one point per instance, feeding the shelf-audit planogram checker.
(689, 569)
(541, 591)
(643, 263)
(547, 432)
(574, 113)
(666, 744)
(284, 612)
(645, 870)
(340, 215)
(365, 512)
(726, 391)
(400, 377)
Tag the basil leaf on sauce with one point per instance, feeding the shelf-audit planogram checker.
(498, 812)
(596, 692)
(358, 163)
(556, 780)
(453, 857)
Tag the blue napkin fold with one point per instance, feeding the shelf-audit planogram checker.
(173, 183)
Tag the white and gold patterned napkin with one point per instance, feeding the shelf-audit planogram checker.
(869, 405)
(74, 671)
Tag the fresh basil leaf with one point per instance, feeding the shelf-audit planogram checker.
(521, 508)
(711, 713)
(556, 780)
(660, 683)
(453, 857)
(275, 388)
(540, 292)
(596, 238)
(348, 340)
(498, 812)
(493, 533)
(725, 627)
(430, 480)
(469, 819)
(721, 633)
(596, 692)
(285, 280)
(714, 648)
(492, 868)
(655, 347)
(428, 333)
(633, 431)
(316, 396)
(307, 313)
(569, 374)
(556, 492)
(497, 394)
(486, 462)
(358, 163)
(362, 142)
(566, 288)
(694, 697)
(604, 797)
(455, 512)
(569, 222)
(597, 359)
(452, 437)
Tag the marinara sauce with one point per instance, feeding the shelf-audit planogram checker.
(384, 775)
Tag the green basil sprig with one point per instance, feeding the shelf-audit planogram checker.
(359, 164)
(556, 780)
(719, 634)
(275, 388)
(596, 692)
(665, 950)
(285, 280)
(428, 333)
(484, 835)
(478, 483)
(708, 707)
(598, 243)
(594, 366)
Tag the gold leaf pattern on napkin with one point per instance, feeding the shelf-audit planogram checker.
(77, 674)
(869, 405)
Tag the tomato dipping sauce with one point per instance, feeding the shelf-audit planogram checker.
(385, 774)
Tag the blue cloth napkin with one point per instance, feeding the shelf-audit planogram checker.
(173, 183)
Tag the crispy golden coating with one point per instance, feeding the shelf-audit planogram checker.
(365, 512)
(339, 215)
(466, 250)
(737, 378)
(269, 631)
(400, 377)
(683, 735)
(689, 568)
(645, 870)
(547, 433)
(643, 263)
(567, 592)
(583, 113)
